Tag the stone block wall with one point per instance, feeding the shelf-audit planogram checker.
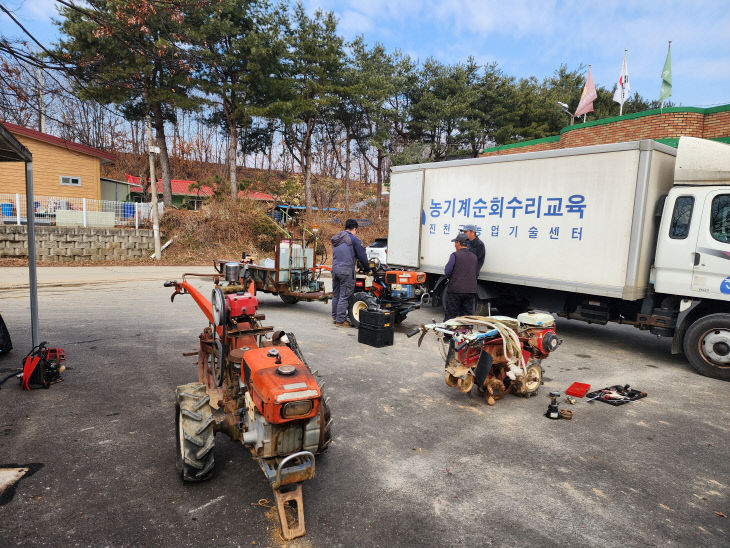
(75, 244)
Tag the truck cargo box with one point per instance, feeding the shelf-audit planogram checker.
(579, 220)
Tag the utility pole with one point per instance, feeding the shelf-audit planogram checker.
(41, 102)
(153, 191)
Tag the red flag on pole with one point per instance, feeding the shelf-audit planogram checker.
(588, 96)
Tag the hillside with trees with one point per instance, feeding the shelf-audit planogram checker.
(232, 86)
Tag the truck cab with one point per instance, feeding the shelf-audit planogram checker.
(693, 254)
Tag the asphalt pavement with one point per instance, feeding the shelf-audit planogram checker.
(413, 461)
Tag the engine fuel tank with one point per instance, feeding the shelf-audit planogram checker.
(280, 384)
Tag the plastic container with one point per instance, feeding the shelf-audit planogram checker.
(375, 336)
(578, 389)
(377, 318)
(6, 210)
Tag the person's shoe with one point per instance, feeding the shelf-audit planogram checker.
(343, 324)
(334, 320)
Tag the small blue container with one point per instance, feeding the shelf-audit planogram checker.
(6, 210)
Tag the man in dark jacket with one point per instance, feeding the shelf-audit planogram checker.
(346, 249)
(462, 272)
(475, 245)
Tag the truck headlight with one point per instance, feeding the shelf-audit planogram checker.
(296, 408)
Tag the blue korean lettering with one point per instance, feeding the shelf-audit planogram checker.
(532, 232)
(514, 204)
(450, 206)
(496, 206)
(495, 231)
(464, 207)
(432, 229)
(513, 231)
(554, 232)
(435, 208)
(447, 229)
(576, 204)
(577, 233)
(554, 207)
(532, 206)
(478, 207)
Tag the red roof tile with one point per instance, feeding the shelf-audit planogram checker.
(181, 188)
(69, 145)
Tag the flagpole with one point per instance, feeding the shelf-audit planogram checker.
(621, 107)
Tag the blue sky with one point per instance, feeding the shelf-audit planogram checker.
(530, 37)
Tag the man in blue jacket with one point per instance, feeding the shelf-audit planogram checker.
(346, 249)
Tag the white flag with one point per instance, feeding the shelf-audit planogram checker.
(623, 90)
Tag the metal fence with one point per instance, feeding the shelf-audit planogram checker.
(58, 211)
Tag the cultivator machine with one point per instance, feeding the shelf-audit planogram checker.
(495, 354)
(254, 385)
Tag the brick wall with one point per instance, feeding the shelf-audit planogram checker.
(717, 124)
(672, 123)
(69, 244)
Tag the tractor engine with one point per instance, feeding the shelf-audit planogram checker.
(405, 285)
(283, 411)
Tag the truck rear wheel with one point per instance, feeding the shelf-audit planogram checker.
(706, 346)
(194, 432)
(358, 302)
(288, 299)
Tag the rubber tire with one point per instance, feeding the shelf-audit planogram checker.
(288, 299)
(528, 393)
(6, 345)
(195, 459)
(691, 342)
(360, 297)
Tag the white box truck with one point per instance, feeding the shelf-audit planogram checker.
(635, 233)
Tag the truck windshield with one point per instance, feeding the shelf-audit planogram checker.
(720, 220)
(681, 217)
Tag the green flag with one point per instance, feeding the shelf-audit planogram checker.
(666, 90)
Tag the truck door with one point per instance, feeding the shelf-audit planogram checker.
(678, 232)
(712, 260)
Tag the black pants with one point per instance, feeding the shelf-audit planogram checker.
(458, 304)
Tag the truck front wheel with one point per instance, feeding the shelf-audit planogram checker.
(707, 346)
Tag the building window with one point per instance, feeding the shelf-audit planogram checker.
(70, 181)
(681, 217)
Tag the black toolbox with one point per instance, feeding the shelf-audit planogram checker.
(376, 328)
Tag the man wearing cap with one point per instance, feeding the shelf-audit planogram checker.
(346, 250)
(475, 245)
(462, 272)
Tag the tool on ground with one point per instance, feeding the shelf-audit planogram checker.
(497, 354)
(553, 412)
(616, 395)
(254, 385)
(578, 389)
(42, 367)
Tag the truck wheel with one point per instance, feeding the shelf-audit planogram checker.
(194, 433)
(358, 302)
(482, 307)
(706, 346)
(288, 299)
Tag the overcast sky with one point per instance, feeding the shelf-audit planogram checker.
(529, 37)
